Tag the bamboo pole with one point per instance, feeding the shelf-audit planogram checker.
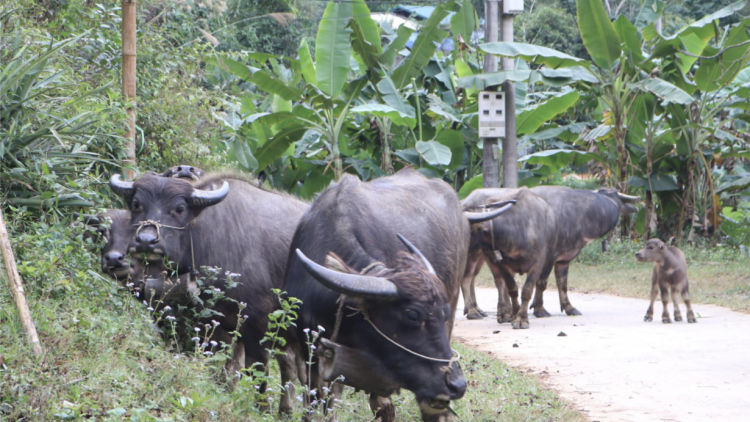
(128, 81)
(490, 164)
(16, 288)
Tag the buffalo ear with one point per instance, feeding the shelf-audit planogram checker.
(629, 209)
(661, 246)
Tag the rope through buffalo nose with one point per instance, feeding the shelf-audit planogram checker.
(158, 225)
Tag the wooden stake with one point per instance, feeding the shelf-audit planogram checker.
(16, 288)
(128, 81)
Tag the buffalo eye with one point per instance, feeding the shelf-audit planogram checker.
(135, 205)
(180, 209)
(412, 315)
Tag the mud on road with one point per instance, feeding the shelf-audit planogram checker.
(614, 367)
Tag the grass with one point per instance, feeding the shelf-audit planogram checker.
(105, 359)
(718, 276)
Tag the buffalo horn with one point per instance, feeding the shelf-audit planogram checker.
(362, 286)
(123, 189)
(478, 217)
(413, 249)
(627, 198)
(206, 198)
(89, 220)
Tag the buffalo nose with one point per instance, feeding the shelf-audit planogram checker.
(145, 241)
(456, 383)
(637, 254)
(113, 259)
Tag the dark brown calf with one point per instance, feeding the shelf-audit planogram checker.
(670, 273)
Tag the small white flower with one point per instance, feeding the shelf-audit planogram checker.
(150, 309)
(312, 347)
(129, 285)
(213, 343)
(238, 374)
(326, 390)
(306, 330)
(314, 403)
(299, 398)
(197, 329)
(245, 316)
(243, 305)
(167, 308)
(214, 322)
(145, 303)
(216, 289)
(204, 345)
(313, 392)
(321, 329)
(171, 318)
(195, 339)
(207, 353)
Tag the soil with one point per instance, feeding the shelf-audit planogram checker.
(614, 367)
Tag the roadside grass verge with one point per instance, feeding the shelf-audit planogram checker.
(105, 359)
(717, 276)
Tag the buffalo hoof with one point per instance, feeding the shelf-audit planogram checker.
(692, 320)
(677, 318)
(573, 312)
(666, 320)
(474, 315)
(648, 318)
(483, 313)
(501, 319)
(541, 313)
(520, 324)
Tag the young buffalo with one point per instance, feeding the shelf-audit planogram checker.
(670, 272)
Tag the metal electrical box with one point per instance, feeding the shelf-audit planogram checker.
(512, 7)
(491, 114)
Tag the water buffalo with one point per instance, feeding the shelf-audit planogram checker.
(521, 241)
(184, 172)
(363, 241)
(582, 217)
(222, 221)
(670, 273)
(115, 261)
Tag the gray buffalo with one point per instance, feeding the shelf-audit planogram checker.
(582, 217)
(224, 221)
(520, 241)
(387, 256)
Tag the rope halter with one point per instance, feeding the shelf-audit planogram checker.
(158, 225)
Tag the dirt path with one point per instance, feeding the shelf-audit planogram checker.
(615, 367)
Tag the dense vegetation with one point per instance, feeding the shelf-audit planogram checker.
(300, 92)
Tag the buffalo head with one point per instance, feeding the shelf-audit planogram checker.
(114, 226)
(184, 172)
(161, 210)
(623, 202)
(402, 330)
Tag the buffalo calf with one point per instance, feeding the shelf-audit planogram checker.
(670, 273)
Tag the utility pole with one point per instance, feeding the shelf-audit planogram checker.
(490, 165)
(128, 82)
(510, 142)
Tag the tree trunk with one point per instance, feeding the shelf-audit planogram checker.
(128, 81)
